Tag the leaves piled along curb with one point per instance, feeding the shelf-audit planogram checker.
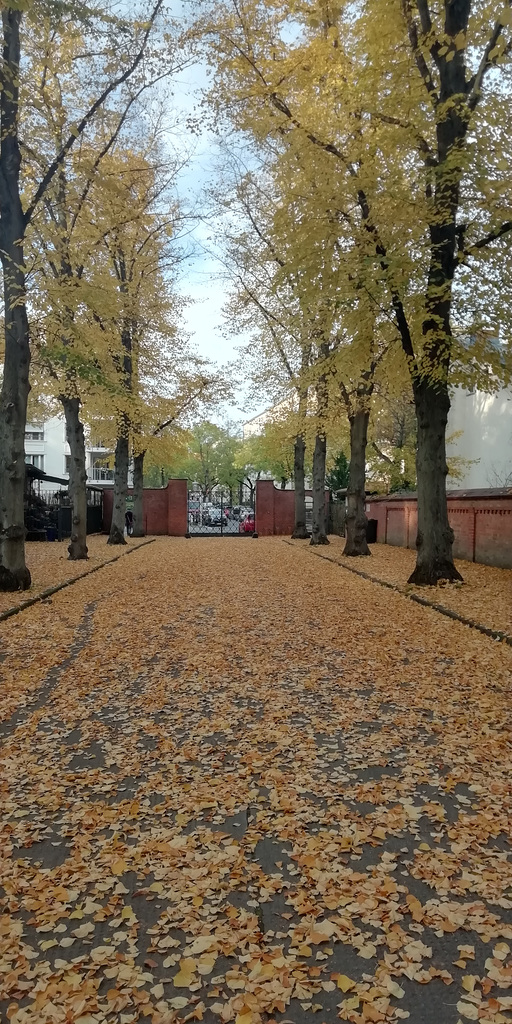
(495, 634)
(16, 609)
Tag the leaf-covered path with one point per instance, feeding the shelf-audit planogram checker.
(241, 784)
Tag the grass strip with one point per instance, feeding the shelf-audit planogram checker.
(16, 609)
(495, 634)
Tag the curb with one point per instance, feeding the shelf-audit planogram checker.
(16, 609)
(494, 634)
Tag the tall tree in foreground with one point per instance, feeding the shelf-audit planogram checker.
(63, 240)
(15, 217)
(410, 110)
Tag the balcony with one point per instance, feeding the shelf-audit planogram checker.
(100, 475)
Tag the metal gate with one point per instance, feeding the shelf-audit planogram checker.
(220, 515)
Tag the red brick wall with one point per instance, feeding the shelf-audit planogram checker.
(177, 516)
(482, 525)
(275, 509)
(164, 509)
(265, 508)
(154, 510)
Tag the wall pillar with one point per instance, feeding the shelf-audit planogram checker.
(265, 508)
(177, 508)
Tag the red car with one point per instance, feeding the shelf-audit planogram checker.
(247, 525)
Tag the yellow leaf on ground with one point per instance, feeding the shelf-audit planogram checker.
(186, 974)
(202, 943)
(344, 983)
(394, 989)
(244, 1017)
(468, 1010)
(351, 1004)
(501, 950)
(368, 951)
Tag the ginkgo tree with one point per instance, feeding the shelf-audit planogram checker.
(410, 111)
(300, 266)
(265, 304)
(208, 460)
(185, 386)
(136, 218)
(64, 236)
(270, 452)
(17, 212)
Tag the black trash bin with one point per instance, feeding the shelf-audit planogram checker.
(371, 531)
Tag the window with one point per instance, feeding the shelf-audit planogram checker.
(34, 435)
(67, 464)
(35, 460)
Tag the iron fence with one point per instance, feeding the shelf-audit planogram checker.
(48, 515)
(219, 515)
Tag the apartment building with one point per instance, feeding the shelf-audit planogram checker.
(46, 448)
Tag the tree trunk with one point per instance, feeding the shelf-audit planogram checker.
(356, 521)
(299, 531)
(120, 490)
(138, 495)
(434, 540)
(77, 478)
(14, 574)
(319, 532)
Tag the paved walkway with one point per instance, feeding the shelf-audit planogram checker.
(242, 784)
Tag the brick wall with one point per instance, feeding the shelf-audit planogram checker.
(164, 509)
(275, 509)
(481, 522)
(177, 508)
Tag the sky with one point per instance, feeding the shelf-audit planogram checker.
(201, 277)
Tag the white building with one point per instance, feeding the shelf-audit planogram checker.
(480, 425)
(483, 422)
(47, 449)
(255, 426)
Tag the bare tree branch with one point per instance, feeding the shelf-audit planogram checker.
(424, 13)
(491, 237)
(188, 401)
(270, 316)
(486, 62)
(421, 63)
(381, 454)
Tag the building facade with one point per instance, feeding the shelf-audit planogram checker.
(256, 425)
(46, 448)
(480, 425)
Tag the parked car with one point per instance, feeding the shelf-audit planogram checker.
(213, 517)
(205, 514)
(248, 524)
(241, 511)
